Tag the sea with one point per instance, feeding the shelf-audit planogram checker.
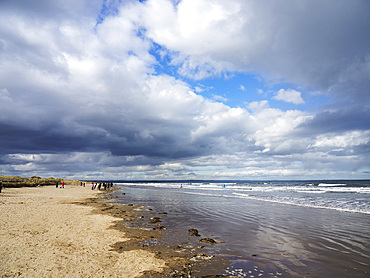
(267, 228)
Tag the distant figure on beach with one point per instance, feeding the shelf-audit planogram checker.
(57, 185)
(1, 186)
(62, 184)
(92, 186)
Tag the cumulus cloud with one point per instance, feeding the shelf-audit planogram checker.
(303, 43)
(289, 95)
(81, 95)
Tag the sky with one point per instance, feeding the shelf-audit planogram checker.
(185, 89)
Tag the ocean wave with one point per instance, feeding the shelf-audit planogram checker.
(302, 203)
(332, 184)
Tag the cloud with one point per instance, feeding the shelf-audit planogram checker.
(258, 106)
(199, 89)
(219, 98)
(349, 139)
(289, 95)
(82, 93)
(347, 118)
(300, 43)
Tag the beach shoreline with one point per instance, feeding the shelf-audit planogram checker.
(50, 232)
(259, 238)
(184, 256)
(142, 232)
(79, 232)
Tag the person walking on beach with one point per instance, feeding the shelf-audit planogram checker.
(62, 184)
(1, 186)
(56, 185)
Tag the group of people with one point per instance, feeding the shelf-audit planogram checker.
(99, 185)
(61, 186)
(94, 185)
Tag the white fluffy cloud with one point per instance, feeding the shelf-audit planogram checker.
(289, 95)
(300, 42)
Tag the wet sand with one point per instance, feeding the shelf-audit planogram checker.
(260, 239)
(49, 232)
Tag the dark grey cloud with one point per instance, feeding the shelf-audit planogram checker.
(53, 10)
(345, 118)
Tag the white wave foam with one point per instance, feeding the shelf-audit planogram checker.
(285, 202)
(246, 196)
(331, 184)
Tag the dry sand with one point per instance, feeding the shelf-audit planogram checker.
(44, 234)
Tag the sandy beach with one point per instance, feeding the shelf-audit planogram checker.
(141, 231)
(48, 232)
